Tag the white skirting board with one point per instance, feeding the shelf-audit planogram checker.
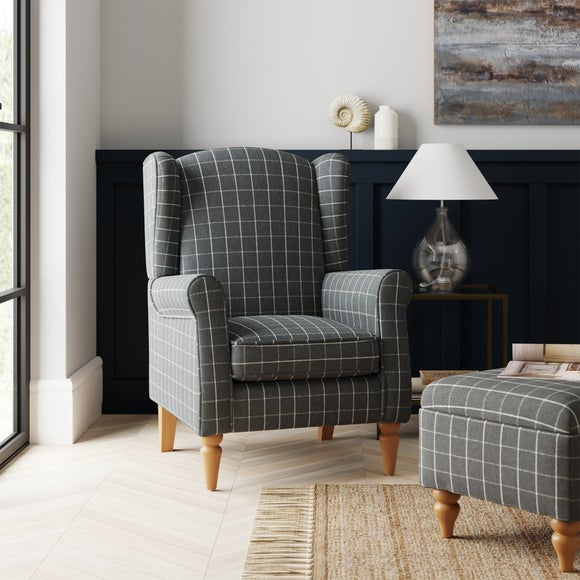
(61, 410)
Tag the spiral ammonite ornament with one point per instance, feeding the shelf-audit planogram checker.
(351, 113)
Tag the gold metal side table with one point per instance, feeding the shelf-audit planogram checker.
(481, 292)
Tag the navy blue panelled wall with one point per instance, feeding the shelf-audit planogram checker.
(527, 244)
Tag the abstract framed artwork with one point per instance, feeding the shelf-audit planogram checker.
(507, 62)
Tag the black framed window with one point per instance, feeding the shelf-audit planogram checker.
(14, 229)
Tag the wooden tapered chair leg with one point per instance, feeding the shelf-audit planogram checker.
(446, 509)
(389, 440)
(211, 453)
(566, 541)
(167, 425)
(325, 433)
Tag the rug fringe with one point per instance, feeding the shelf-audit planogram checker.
(282, 536)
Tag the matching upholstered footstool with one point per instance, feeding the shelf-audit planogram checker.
(515, 442)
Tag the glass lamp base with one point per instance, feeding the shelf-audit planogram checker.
(440, 258)
(440, 284)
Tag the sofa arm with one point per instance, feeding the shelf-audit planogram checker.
(189, 357)
(376, 301)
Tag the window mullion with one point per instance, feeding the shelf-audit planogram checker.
(12, 127)
(18, 295)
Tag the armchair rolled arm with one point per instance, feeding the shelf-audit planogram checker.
(376, 301)
(189, 357)
(186, 295)
(362, 298)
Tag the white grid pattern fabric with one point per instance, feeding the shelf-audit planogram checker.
(544, 404)
(376, 301)
(254, 237)
(162, 205)
(251, 217)
(189, 360)
(270, 348)
(333, 176)
(538, 471)
(309, 403)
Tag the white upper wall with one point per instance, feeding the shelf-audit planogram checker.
(65, 96)
(65, 126)
(205, 73)
(141, 73)
(48, 243)
(83, 132)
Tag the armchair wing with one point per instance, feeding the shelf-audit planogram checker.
(333, 179)
(376, 301)
(162, 205)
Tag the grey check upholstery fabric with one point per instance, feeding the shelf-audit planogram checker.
(270, 348)
(375, 301)
(189, 359)
(310, 403)
(332, 174)
(496, 443)
(241, 233)
(251, 217)
(545, 404)
(162, 201)
(548, 405)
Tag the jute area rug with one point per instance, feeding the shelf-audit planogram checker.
(390, 531)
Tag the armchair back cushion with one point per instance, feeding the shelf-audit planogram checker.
(251, 218)
(267, 224)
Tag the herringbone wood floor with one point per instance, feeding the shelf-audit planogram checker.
(113, 506)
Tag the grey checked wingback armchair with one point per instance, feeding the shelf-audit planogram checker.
(253, 322)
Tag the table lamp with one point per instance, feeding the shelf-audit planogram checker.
(439, 172)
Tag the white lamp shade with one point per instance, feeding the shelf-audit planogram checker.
(441, 171)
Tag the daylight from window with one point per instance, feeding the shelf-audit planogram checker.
(6, 221)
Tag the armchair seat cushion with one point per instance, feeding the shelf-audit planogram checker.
(286, 347)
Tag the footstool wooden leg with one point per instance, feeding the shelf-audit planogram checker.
(566, 541)
(446, 509)
(389, 440)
